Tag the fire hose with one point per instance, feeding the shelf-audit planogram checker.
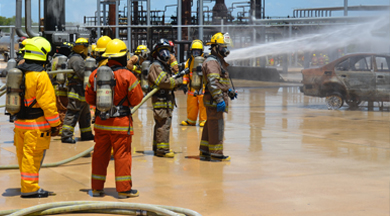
(122, 208)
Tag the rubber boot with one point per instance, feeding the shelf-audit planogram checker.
(97, 193)
(40, 194)
(186, 123)
(87, 137)
(127, 194)
(68, 140)
(220, 158)
(204, 156)
(169, 154)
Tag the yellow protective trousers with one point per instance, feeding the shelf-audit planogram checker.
(31, 146)
(194, 106)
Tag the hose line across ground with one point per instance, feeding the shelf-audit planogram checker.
(101, 207)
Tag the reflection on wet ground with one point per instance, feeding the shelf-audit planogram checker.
(290, 156)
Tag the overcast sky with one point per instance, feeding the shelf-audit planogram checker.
(77, 9)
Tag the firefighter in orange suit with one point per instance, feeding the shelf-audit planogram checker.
(38, 119)
(172, 59)
(160, 75)
(218, 89)
(135, 62)
(194, 102)
(115, 130)
(101, 45)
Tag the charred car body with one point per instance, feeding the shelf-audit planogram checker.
(352, 79)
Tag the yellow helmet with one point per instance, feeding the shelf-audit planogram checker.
(142, 51)
(101, 44)
(24, 42)
(196, 44)
(37, 49)
(81, 46)
(221, 39)
(115, 48)
(93, 47)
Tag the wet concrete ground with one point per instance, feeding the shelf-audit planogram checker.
(290, 156)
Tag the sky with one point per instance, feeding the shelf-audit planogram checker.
(274, 8)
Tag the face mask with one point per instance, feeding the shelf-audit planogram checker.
(223, 51)
(164, 55)
(196, 52)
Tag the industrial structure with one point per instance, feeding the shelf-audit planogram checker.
(137, 24)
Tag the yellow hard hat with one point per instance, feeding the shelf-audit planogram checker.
(142, 51)
(37, 49)
(93, 47)
(101, 44)
(221, 39)
(81, 46)
(196, 44)
(115, 48)
(314, 54)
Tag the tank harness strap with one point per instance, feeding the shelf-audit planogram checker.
(27, 112)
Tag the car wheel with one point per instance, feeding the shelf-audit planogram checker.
(334, 101)
(354, 101)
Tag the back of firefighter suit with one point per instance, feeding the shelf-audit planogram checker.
(216, 80)
(60, 88)
(116, 131)
(135, 62)
(77, 109)
(101, 45)
(163, 101)
(194, 102)
(38, 118)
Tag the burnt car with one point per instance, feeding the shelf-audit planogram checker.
(352, 79)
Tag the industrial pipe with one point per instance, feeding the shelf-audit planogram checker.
(29, 31)
(18, 19)
(200, 19)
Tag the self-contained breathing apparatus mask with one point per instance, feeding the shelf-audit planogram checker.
(196, 52)
(223, 50)
(164, 55)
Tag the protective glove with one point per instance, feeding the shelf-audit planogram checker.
(232, 94)
(221, 106)
(184, 88)
(55, 131)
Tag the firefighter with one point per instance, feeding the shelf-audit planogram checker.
(77, 109)
(194, 102)
(101, 45)
(20, 55)
(172, 60)
(60, 89)
(114, 131)
(160, 75)
(314, 60)
(216, 80)
(135, 62)
(38, 118)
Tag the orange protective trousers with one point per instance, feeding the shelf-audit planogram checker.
(121, 144)
(194, 106)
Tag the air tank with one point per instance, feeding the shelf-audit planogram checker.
(90, 63)
(144, 74)
(59, 63)
(104, 91)
(196, 81)
(13, 99)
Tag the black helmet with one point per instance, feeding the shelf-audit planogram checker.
(162, 50)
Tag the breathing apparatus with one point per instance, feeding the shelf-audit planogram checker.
(144, 74)
(90, 63)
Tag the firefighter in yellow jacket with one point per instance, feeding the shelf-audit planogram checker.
(160, 75)
(194, 102)
(38, 119)
(216, 98)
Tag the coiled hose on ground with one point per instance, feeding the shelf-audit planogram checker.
(121, 208)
